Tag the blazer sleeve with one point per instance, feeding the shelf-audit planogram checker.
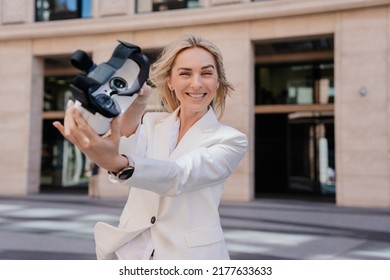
(137, 143)
(203, 167)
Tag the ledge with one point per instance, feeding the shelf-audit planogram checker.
(180, 18)
(292, 108)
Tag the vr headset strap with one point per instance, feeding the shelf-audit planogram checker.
(122, 52)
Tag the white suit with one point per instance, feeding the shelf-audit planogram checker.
(176, 195)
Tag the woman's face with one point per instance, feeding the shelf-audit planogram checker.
(194, 79)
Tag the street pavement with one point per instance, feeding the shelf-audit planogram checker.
(60, 227)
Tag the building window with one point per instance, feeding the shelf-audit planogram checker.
(63, 166)
(295, 83)
(295, 72)
(48, 10)
(143, 6)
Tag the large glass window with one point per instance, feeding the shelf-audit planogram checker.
(295, 71)
(295, 83)
(47, 10)
(63, 165)
(163, 5)
(57, 92)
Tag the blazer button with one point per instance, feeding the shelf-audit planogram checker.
(153, 220)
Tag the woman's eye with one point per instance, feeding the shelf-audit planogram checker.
(207, 73)
(184, 74)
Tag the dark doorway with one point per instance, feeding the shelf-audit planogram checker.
(271, 153)
(294, 121)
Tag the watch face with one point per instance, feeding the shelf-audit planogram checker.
(126, 173)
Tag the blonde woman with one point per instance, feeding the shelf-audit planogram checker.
(174, 162)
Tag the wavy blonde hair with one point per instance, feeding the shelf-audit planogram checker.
(161, 70)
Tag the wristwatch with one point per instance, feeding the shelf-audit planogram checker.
(125, 173)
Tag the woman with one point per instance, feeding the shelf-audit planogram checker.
(175, 163)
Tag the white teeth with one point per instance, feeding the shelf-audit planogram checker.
(196, 96)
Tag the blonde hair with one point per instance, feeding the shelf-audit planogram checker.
(161, 70)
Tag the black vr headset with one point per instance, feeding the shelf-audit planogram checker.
(108, 89)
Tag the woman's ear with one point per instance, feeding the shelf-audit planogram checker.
(169, 84)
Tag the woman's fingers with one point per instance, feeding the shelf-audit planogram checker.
(99, 149)
(60, 127)
(144, 94)
(64, 129)
(69, 122)
(84, 132)
(75, 129)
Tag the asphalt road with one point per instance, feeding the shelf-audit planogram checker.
(60, 227)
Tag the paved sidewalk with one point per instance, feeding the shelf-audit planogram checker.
(60, 226)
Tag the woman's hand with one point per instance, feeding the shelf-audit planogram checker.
(101, 150)
(143, 95)
(131, 118)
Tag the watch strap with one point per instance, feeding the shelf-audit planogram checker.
(125, 173)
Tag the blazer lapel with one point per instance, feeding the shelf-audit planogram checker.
(162, 137)
(194, 136)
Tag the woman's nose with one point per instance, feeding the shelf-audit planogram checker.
(196, 82)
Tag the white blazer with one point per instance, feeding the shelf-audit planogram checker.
(176, 195)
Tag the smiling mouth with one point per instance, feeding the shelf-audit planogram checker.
(196, 96)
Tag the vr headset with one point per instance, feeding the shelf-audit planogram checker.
(107, 89)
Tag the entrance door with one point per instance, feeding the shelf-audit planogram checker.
(311, 149)
(63, 166)
(294, 123)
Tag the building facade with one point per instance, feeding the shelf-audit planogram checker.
(312, 83)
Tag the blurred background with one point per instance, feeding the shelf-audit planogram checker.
(311, 78)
